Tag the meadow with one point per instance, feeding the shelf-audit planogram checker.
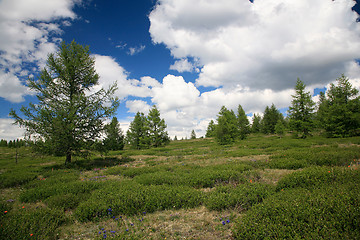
(263, 187)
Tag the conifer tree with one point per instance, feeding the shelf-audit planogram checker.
(138, 133)
(301, 110)
(211, 129)
(157, 128)
(69, 115)
(256, 124)
(227, 130)
(193, 134)
(243, 123)
(271, 116)
(114, 136)
(342, 109)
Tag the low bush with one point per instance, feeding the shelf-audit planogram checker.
(314, 177)
(65, 202)
(129, 198)
(329, 212)
(242, 196)
(15, 178)
(24, 223)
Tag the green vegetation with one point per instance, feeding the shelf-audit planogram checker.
(261, 187)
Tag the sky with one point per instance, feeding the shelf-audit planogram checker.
(187, 57)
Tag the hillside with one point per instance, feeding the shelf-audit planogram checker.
(260, 187)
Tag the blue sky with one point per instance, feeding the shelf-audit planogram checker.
(187, 57)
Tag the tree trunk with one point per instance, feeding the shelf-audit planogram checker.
(68, 157)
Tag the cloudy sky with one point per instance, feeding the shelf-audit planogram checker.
(187, 57)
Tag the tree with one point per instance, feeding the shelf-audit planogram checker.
(69, 115)
(227, 128)
(157, 128)
(138, 133)
(114, 137)
(193, 134)
(322, 111)
(243, 123)
(301, 110)
(341, 110)
(256, 124)
(280, 128)
(211, 129)
(271, 116)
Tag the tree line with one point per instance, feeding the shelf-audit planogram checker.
(69, 116)
(337, 115)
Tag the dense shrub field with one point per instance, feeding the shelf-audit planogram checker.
(264, 187)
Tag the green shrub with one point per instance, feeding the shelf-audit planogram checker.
(64, 202)
(242, 196)
(16, 178)
(314, 177)
(40, 223)
(329, 212)
(46, 190)
(131, 198)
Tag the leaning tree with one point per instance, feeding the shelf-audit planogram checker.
(69, 114)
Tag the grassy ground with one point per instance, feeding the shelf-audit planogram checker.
(264, 187)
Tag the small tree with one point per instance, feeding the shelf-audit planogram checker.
(280, 128)
(193, 134)
(256, 124)
(211, 129)
(301, 110)
(138, 133)
(114, 136)
(243, 123)
(341, 111)
(157, 128)
(271, 116)
(227, 128)
(68, 116)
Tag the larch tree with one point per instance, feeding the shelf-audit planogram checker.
(243, 123)
(301, 110)
(138, 133)
(157, 128)
(114, 136)
(270, 118)
(227, 130)
(69, 114)
(211, 129)
(256, 123)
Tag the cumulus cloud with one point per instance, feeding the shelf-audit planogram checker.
(26, 28)
(183, 65)
(8, 131)
(262, 45)
(135, 106)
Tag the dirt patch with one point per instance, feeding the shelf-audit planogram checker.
(272, 176)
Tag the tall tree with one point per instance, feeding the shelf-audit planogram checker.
(243, 123)
(301, 110)
(256, 123)
(69, 115)
(227, 128)
(270, 118)
(138, 133)
(342, 109)
(157, 128)
(211, 129)
(114, 136)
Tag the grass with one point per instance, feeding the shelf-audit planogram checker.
(258, 188)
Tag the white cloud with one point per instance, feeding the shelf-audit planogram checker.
(264, 45)
(8, 131)
(135, 106)
(135, 50)
(110, 71)
(183, 65)
(25, 27)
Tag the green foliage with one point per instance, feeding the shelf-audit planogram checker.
(271, 117)
(241, 197)
(130, 198)
(211, 129)
(243, 123)
(256, 124)
(301, 110)
(114, 137)
(150, 131)
(193, 134)
(340, 112)
(321, 211)
(29, 223)
(227, 130)
(280, 128)
(16, 177)
(67, 116)
(157, 128)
